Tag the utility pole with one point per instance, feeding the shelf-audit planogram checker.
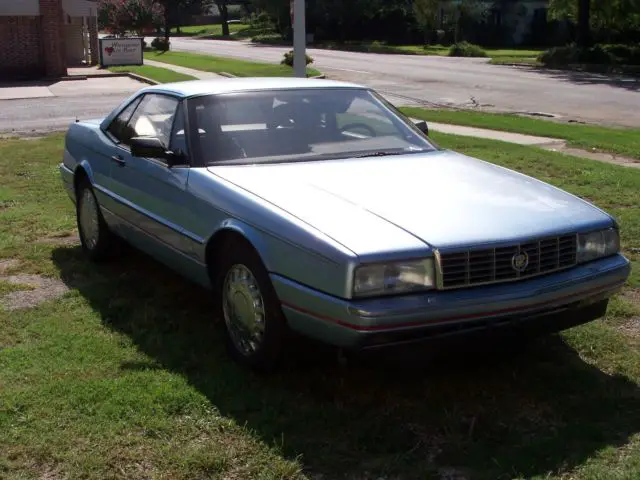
(299, 38)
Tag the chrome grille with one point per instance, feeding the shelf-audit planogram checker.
(477, 267)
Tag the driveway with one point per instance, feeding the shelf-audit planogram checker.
(40, 107)
(410, 79)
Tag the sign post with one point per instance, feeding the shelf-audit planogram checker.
(298, 21)
(120, 51)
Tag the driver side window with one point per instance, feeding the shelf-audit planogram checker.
(154, 117)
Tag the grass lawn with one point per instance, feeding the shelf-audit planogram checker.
(616, 140)
(161, 75)
(125, 376)
(206, 30)
(496, 55)
(240, 68)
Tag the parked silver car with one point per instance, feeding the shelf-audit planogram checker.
(315, 206)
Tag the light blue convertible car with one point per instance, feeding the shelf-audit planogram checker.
(315, 207)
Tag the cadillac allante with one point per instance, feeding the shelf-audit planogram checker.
(316, 207)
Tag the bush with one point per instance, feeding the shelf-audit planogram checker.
(598, 54)
(161, 44)
(572, 54)
(624, 54)
(288, 59)
(268, 38)
(465, 49)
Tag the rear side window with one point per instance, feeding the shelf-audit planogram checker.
(118, 127)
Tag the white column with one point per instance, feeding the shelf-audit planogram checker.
(299, 39)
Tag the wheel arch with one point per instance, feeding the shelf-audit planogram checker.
(230, 232)
(82, 172)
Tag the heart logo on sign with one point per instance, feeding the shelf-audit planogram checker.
(109, 50)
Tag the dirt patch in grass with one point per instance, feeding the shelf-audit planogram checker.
(62, 240)
(633, 295)
(41, 290)
(596, 155)
(631, 327)
(8, 264)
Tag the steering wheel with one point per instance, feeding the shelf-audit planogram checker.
(358, 125)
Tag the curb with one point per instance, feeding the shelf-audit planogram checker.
(230, 75)
(140, 78)
(94, 75)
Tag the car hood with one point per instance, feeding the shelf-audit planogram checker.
(442, 199)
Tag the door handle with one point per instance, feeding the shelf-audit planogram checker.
(119, 160)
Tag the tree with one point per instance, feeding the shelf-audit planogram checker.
(464, 12)
(602, 18)
(173, 11)
(584, 23)
(123, 16)
(426, 12)
(224, 16)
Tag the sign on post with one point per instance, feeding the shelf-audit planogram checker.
(121, 51)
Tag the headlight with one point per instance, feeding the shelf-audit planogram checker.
(594, 245)
(393, 278)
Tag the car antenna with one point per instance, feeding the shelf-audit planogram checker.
(77, 119)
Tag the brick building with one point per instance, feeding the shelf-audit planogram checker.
(41, 38)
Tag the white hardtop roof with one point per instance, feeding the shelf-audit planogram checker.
(231, 85)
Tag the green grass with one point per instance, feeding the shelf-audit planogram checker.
(126, 376)
(207, 30)
(239, 68)
(10, 287)
(160, 75)
(622, 141)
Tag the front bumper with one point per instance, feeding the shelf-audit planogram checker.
(550, 303)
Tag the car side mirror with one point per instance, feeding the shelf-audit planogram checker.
(422, 126)
(150, 147)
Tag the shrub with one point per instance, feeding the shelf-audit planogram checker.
(288, 59)
(624, 54)
(161, 44)
(465, 49)
(598, 54)
(268, 38)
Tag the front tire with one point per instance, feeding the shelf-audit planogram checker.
(96, 239)
(246, 300)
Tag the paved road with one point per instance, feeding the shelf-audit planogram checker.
(55, 106)
(409, 79)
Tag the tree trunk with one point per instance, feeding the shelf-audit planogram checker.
(224, 17)
(584, 23)
(167, 22)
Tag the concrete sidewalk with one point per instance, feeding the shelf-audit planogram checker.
(508, 137)
(199, 74)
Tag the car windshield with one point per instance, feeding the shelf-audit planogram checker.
(299, 125)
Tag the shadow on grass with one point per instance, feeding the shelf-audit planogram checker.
(493, 416)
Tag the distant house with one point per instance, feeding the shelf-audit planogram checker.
(515, 19)
(43, 37)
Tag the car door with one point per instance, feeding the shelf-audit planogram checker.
(151, 195)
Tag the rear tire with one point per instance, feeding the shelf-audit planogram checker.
(97, 241)
(256, 329)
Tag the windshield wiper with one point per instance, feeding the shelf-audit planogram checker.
(383, 153)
